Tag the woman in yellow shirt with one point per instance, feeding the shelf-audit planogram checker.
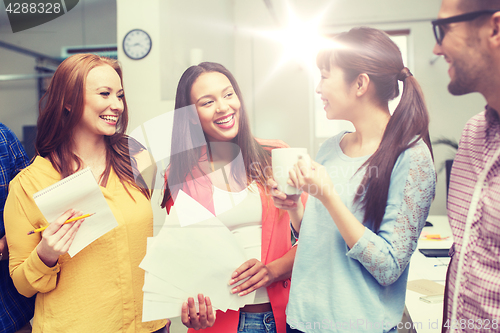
(83, 118)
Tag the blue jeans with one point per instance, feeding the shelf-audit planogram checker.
(257, 322)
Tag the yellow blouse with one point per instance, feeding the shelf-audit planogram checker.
(100, 288)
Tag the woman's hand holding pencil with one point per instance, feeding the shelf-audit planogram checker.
(58, 237)
(73, 219)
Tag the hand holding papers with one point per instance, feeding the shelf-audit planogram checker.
(199, 315)
(79, 192)
(193, 253)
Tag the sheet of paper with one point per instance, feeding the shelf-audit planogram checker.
(190, 212)
(81, 192)
(433, 269)
(198, 257)
(158, 300)
(152, 296)
(197, 260)
(153, 284)
(425, 287)
(153, 310)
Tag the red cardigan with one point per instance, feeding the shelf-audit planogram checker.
(276, 241)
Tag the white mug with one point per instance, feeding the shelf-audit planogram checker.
(283, 160)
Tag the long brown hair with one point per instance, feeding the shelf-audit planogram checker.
(371, 51)
(56, 122)
(257, 161)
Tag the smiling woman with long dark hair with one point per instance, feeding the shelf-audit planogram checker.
(371, 191)
(216, 160)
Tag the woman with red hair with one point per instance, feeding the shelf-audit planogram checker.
(82, 123)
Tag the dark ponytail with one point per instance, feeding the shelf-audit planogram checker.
(371, 51)
(408, 124)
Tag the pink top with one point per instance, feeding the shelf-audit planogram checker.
(276, 241)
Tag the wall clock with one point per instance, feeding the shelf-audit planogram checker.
(137, 44)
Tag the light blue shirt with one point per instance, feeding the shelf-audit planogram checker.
(337, 289)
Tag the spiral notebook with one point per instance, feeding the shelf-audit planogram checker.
(81, 192)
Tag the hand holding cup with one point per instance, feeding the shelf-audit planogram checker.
(312, 178)
(284, 160)
(284, 194)
(280, 199)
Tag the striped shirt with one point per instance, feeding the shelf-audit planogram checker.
(15, 310)
(478, 308)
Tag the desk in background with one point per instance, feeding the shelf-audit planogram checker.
(426, 317)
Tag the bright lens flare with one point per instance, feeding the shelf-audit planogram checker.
(301, 40)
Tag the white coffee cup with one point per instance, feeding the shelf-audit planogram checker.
(283, 160)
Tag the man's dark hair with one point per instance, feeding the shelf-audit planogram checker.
(468, 6)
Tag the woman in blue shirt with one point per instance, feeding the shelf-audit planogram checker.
(371, 192)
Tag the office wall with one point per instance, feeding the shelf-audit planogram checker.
(448, 113)
(279, 96)
(279, 99)
(91, 22)
(279, 108)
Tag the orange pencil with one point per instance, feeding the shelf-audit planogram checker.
(73, 219)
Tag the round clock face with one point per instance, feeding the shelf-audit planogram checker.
(137, 44)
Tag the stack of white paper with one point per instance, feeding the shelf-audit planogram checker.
(193, 253)
(78, 191)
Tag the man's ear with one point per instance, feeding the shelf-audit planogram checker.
(362, 83)
(494, 35)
